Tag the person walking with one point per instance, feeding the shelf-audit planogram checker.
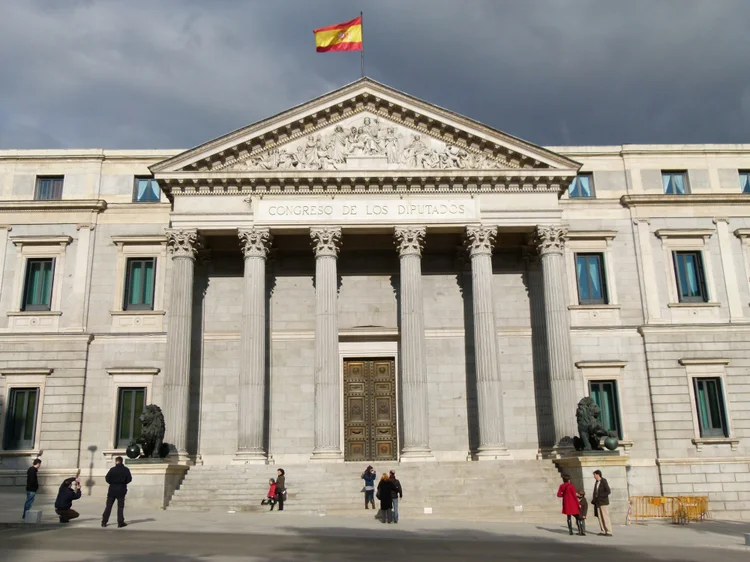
(600, 501)
(396, 493)
(32, 485)
(118, 479)
(570, 508)
(280, 488)
(584, 509)
(69, 491)
(385, 495)
(369, 476)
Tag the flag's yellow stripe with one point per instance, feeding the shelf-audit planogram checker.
(333, 36)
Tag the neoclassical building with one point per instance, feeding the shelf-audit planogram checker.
(370, 278)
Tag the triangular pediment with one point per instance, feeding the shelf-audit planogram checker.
(364, 126)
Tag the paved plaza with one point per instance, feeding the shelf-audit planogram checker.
(219, 537)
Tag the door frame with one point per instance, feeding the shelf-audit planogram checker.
(368, 350)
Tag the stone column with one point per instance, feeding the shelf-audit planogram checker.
(256, 243)
(563, 381)
(416, 446)
(480, 241)
(326, 242)
(183, 245)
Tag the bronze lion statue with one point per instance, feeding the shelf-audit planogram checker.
(588, 416)
(152, 433)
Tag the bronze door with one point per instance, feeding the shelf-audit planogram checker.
(369, 409)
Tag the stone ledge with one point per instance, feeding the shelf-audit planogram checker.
(732, 441)
(694, 304)
(21, 453)
(594, 307)
(98, 205)
(34, 313)
(144, 312)
(701, 361)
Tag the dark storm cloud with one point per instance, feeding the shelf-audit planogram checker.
(173, 74)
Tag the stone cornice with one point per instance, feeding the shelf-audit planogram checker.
(41, 240)
(97, 205)
(686, 200)
(591, 234)
(140, 239)
(704, 233)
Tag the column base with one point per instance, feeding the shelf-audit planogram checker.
(327, 455)
(492, 454)
(249, 457)
(416, 454)
(179, 457)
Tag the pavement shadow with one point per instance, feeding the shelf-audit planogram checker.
(726, 528)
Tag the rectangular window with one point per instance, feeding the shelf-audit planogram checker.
(604, 393)
(582, 186)
(675, 183)
(139, 284)
(37, 291)
(709, 402)
(591, 280)
(20, 425)
(146, 191)
(49, 188)
(691, 280)
(745, 181)
(130, 405)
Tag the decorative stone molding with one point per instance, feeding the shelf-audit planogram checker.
(551, 239)
(480, 240)
(410, 240)
(65, 205)
(733, 442)
(183, 243)
(702, 233)
(256, 242)
(688, 200)
(326, 241)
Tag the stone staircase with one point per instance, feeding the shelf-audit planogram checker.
(516, 490)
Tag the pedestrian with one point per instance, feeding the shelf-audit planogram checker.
(584, 509)
(570, 508)
(369, 476)
(600, 501)
(270, 498)
(32, 485)
(396, 493)
(69, 490)
(118, 479)
(280, 488)
(384, 494)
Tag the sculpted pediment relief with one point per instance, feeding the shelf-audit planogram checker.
(368, 142)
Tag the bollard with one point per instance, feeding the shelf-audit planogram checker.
(33, 516)
(747, 539)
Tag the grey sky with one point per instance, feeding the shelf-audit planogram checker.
(173, 74)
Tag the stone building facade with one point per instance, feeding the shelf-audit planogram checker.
(370, 277)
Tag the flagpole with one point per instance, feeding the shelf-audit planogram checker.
(362, 27)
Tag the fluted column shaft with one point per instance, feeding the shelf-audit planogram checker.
(479, 241)
(326, 243)
(183, 245)
(563, 382)
(252, 391)
(413, 348)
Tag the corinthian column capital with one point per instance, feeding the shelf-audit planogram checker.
(480, 240)
(326, 241)
(551, 239)
(256, 242)
(409, 240)
(183, 243)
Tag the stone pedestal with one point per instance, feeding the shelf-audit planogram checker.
(154, 482)
(581, 466)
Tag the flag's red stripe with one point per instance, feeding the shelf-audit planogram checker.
(340, 47)
(355, 21)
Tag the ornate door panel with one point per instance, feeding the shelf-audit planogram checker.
(369, 409)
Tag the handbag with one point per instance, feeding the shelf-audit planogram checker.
(377, 494)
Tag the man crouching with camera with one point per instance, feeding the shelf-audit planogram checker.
(70, 490)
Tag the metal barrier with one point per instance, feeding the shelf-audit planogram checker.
(681, 509)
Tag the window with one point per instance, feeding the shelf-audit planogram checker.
(49, 189)
(130, 405)
(146, 191)
(691, 281)
(675, 183)
(139, 284)
(37, 292)
(20, 425)
(745, 181)
(604, 393)
(591, 281)
(709, 403)
(582, 186)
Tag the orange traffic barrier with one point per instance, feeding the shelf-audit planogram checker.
(681, 509)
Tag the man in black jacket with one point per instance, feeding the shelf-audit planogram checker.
(69, 490)
(32, 485)
(396, 493)
(118, 479)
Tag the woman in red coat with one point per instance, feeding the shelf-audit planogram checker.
(569, 500)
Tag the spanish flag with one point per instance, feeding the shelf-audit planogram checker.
(345, 36)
